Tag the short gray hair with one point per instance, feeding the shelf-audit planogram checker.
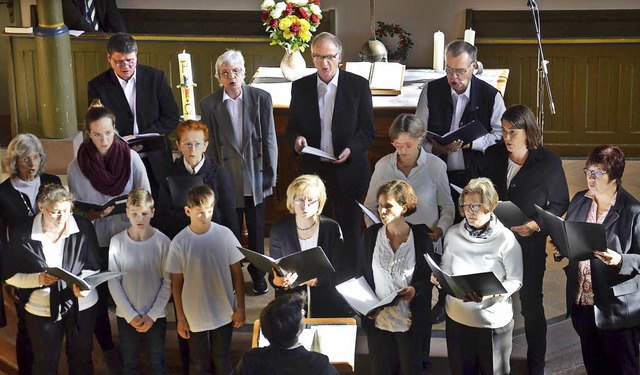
(231, 57)
(458, 47)
(327, 36)
(23, 144)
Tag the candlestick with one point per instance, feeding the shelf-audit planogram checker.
(470, 36)
(438, 51)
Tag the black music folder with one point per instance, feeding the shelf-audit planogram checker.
(308, 264)
(180, 186)
(574, 239)
(148, 141)
(483, 283)
(510, 215)
(119, 203)
(466, 133)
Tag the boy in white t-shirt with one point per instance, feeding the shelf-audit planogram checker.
(204, 263)
(142, 293)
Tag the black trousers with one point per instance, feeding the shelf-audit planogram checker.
(475, 351)
(606, 351)
(24, 351)
(46, 340)
(393, 351)
(254, 216)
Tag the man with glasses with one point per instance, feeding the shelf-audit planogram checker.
(332, 110)
(141, 99)
(453, 101)
(243, 141)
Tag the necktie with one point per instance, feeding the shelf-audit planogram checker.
(91, 12)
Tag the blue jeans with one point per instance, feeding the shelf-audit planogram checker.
(206, 345)
(132, 341)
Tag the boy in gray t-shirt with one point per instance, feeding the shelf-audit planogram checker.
(205, 265)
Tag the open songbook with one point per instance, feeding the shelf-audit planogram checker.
(88, 282)
(459, 286)
(308, 264)
(466, 133)
(119, 203)
(510, 215)
(574, 239)
(385, 78)
(361, 297)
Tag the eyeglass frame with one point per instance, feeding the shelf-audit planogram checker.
(407, 145)
(595, 174)
(450, 71)
(300, 201)
(328, 58)
(26, 159)
(57, 214)
(472, 207)
(123, 62)
(235, 71)
(196, 145)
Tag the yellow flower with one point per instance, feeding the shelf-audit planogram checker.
(284, 24)
(304, 35)
(304, 25)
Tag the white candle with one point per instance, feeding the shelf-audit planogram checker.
(184, 63)
(188, 102)
(438, 50)
(470, 36)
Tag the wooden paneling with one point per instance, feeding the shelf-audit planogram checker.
(595, 86)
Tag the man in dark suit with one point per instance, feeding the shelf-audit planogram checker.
(140, 98)
(93, 16)
(243, 140)
(332, 110)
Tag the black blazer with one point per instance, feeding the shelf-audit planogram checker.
(109, 19)
(326, 302)
(420, 305)
(616, 292)
(541, 181)
(352, 127)
(156, 110)
(12, 209)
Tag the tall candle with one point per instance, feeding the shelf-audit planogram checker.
(188, 103)
(184, 63)
(438, 50)
(470, 36)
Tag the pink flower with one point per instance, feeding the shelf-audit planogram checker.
(314, 20)
(274, 23)
(287, 12)
(295, 28)
(265, 16)
(302, 13)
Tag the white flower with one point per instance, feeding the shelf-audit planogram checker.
(315, 9)
(267, 4)
(277, 11)
(302, 3)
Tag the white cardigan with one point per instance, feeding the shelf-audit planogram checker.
(499, 253)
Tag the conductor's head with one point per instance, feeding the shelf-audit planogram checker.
(282, 320)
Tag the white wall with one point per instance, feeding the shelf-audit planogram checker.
(420, 17)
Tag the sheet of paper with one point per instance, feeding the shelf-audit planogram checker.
(317, 152)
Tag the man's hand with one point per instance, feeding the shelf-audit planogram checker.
(238, 317)
(312, 283)
(439, 149)
(183, 328)
(608, 257)
(344, 155)
(299, 144)
(93, 214)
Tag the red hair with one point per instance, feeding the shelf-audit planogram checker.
(192, 126)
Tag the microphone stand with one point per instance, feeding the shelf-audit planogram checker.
(543, 73)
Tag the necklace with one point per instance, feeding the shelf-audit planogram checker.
(309, 227)
(29, 210)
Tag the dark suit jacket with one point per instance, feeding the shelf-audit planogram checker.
(276, 361)
(12, 209)
(326, 302)
(109, 19)
(541, 181)
(616, 292)
(156, 109)
(259, 152)
(420, 305)
(352, 127)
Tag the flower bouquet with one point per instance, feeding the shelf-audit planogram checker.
(290, 23)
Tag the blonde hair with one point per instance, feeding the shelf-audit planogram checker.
(140, 198)
(54, 193)
(485, 188)
(303, 183)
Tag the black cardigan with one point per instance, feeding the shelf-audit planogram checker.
(326, 302)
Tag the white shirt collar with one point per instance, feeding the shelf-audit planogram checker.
(123, 83)
(198, 166)
(37, 233)
(466, 92)
(334, 80)
(226, 96)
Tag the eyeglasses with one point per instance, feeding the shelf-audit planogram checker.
(227, 73)
(195, 145)
(400, 145)
(57, 214)
(458, 72)
(121, 63)
(328, 58)
(308, 201)
(595, 174)
(26, 159)
(473, 207)
(511, 133)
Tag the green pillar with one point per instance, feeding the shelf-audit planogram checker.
(56, 92)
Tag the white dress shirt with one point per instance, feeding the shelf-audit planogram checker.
(129, 88)
(326, 102)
